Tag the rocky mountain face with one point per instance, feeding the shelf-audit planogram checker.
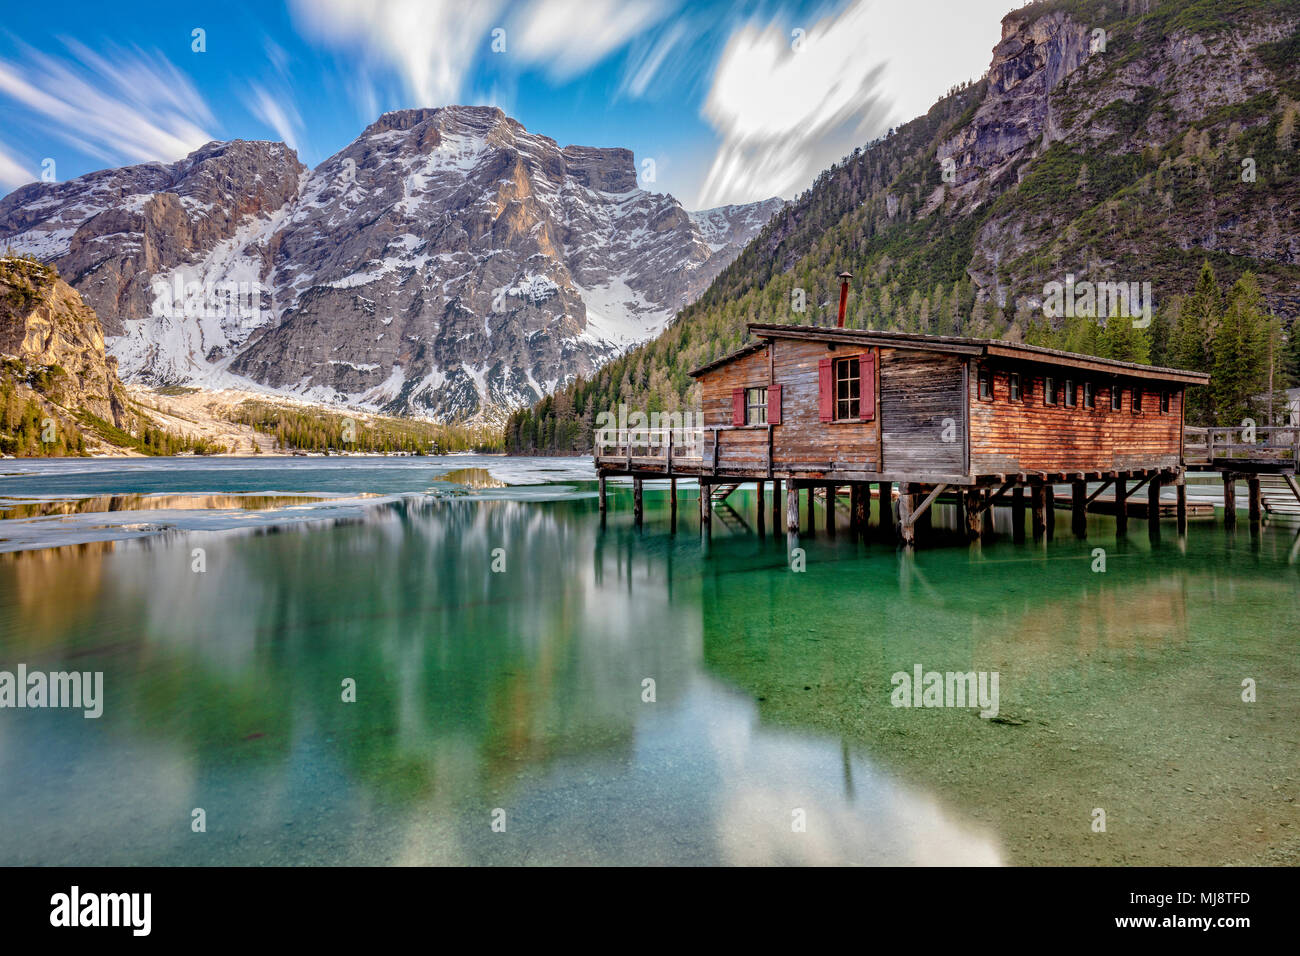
(448, 263)
(52, 347)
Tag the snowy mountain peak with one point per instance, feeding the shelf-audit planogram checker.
(446, 263)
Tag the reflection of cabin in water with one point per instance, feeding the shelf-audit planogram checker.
(826, 408)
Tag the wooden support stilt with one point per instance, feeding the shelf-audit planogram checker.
(886, 513)
(1049, 510)
(857, 508)
(1079, 508)
(1252, 486)
(706, 507)
(1018, 513)
(830, 511)
(906, 502)
(1039, 508)
(636, 500)
(791, 507)
(1229, 500)
(974, 513)
(776, 504)
(1153, 505)
(1182, 504)
(672, 504)
(1121, 505)
(600, 491)
(762, 506)
(812, 515)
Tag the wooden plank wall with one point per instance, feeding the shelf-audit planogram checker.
(802, 438)
(1031, 436)
(750, 371)
(918, 392)
(742, 449)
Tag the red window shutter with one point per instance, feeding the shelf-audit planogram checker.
(825, 391)
(737, 406)
(774, 404)
(867, 369)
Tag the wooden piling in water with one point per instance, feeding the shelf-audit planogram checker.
(812, 515)
(830, 511)
(672, 497)
(858, 498)
(706, 507)
(906, 502)
(1121, 505)
(1153, 505)
(1039, 508)
(974, 514)
(1229, 500)
(1049, 510)
(636, 500)
(1079, 508)
(791, 507)
(1182, 504)
(886, 519)
(1252, 486)
(600, 491)
(1018, 513)
(776, 504)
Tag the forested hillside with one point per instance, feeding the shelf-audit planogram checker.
(1163, 152)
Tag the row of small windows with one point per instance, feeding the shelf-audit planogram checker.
(1066, 392)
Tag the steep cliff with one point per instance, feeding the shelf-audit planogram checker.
(55, 368)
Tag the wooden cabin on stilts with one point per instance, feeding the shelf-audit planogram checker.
(819, 410)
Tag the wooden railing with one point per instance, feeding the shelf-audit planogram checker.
(667, 444)
(1201, 446)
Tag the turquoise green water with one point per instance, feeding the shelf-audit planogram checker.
(519, 695)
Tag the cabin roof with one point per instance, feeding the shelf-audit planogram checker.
(956, 345)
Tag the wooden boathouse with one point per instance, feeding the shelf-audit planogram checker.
(984, 421)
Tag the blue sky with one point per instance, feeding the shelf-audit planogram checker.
(733, 102)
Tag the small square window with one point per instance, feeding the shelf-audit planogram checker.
(1049, 391)
(1089, 395)
(756, 406)
(848, 389)
(1013, 386)
(1164, 403)
(1070, 394)
(986, 385)
(1116, 398)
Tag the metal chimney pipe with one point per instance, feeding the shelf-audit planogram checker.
(844, 297)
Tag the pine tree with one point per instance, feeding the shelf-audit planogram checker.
(1239, 351)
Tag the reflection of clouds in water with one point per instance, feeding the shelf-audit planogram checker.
(854, 813)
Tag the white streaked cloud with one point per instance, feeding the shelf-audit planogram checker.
(432, 44)
(133, 107)
(571, 36)
(12, 172)
(782, 115)
(644, 64)
(277, 111)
